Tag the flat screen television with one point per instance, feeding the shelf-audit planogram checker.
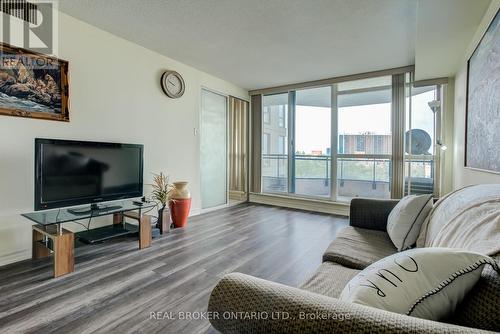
(71, 172)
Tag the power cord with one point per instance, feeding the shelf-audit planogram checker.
(88, 224)
(154, 207)
(90, 218)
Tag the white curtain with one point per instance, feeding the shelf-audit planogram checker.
(238, 148)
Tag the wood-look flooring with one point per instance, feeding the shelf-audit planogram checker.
(115, 286)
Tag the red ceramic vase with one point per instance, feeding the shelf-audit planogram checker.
(179, 211)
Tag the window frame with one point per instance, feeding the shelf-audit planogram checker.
(336, 153)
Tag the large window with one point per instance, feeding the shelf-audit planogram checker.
(274, 144)
(310, 172)
(356, 119)
(423, 111)
(364, 130)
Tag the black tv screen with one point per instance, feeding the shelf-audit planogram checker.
(78, 172)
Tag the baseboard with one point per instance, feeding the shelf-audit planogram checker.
(336, 208)
(15, 257)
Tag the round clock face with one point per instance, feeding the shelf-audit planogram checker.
(172, 84)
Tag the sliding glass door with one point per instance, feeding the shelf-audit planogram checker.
(311, 144)
(423, 113)
(357, 119)
(364, 138)
(275, 143)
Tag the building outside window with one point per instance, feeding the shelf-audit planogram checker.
(281, 116)
(360, 143)
(281, 144)
(266, 143)
(266, 115)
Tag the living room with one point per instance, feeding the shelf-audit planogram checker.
(167, 166)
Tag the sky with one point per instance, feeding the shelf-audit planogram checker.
(313, 123)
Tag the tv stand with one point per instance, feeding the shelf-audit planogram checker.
(49, 238)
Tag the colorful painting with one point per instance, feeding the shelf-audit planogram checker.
(33, 85)
(483, 102)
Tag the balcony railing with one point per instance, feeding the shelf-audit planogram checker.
(356, 176)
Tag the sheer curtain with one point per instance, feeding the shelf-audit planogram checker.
(238, 148)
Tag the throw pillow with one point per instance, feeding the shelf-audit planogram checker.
(426, 283)
(405, 220)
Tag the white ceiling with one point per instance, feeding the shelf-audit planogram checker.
(263, 43)
(444, 30)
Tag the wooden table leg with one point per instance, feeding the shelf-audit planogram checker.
(145, 232)
(62, 246)
(64, 260)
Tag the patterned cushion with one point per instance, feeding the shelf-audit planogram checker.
(357, 248)
(481, 306)
(329, 279)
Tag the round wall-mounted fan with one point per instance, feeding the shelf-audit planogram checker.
(420, 142)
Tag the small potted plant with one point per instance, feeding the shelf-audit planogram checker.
(162, 190)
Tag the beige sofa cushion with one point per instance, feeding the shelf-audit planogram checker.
(357, 248)
(329, 279)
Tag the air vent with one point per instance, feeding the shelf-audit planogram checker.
(21, 9)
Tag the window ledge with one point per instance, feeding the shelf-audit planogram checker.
(308, 204)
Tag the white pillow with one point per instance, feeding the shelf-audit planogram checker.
(406, 219)
(426, 283)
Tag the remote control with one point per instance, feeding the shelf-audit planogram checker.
(138, 203)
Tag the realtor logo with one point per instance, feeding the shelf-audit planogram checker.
(30, 24)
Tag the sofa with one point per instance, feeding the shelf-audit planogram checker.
(246, 304)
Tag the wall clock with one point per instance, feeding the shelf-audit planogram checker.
(172, 84)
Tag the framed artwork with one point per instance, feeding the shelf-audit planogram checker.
(482, 124)
(33, 85)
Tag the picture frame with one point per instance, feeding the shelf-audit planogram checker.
(482, 109)
(33, 85)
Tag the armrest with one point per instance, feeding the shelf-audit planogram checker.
(245, 304)
(371, 213)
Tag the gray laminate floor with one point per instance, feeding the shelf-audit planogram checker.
(115, 286)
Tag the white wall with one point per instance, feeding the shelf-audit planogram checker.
(114, 96)
(464, 176)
